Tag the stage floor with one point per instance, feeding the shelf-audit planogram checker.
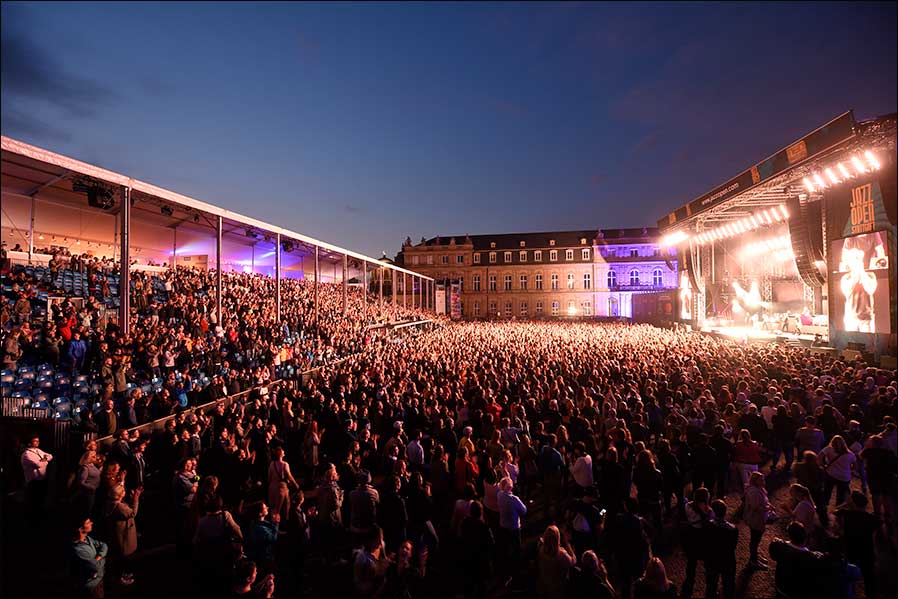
(752, 335)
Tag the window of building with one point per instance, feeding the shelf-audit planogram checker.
(524, 308)
(539, 306)
(493, 309)
(634, 253)
(492, 283)
(582, 241)
(507, 257)
(570, 280)
(538, 256)
(444, 259)
(508, 309)
(476, 282)
(415, 260)
(554, 281)
(430, 259)
(572, 307)
(551, 242)
(460, 259)
(492, 245)
(555, 308)
(657, 277)
(523, 282)
(522, 256)
(492, 257)
(523, 243)
(587, 308)
(611, 252)
(587, 280)
(553, 255)
(568, 255)
(612, 279)
(656, 252)
(476, 258)
(476, 308)
(584, 254)
(539, 281)
(507, 282)
(634, 277)
(461, 284)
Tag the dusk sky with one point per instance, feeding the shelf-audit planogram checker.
(363, 124)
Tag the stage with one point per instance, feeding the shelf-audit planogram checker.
(746, 334)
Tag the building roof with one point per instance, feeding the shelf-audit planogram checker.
(512, 241)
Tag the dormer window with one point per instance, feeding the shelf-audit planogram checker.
(582, 241)
(492, 245)
(551, 242)
(523, 244)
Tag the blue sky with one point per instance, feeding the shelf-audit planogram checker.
(362, 124)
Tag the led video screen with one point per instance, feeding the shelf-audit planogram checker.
(859, 285)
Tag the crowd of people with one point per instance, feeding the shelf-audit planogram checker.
(556, 459)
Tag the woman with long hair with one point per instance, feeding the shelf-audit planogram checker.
(280, 481)
(803, 509)
(119, 516)
(553, 564)
(649, 488)
(590, 579)
(837, 462)
(654, 583)
(87, 480)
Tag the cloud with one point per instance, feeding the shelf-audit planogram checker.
(30, 73)
(17, 123)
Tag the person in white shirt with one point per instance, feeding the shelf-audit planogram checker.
(34, 465)
(581, 469)
(837, 462)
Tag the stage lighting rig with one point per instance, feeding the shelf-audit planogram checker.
(166, 210)
(98, 195)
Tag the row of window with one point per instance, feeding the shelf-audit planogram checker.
(524, 281)
(537, 256)
(585, 308)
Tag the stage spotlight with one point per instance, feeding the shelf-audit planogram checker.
(287, 246)
(858, 165)
(832, 176)
(808, 185)
(166, 210)
(252, 234)
(196, 218)
(871, 159)
(843, 170)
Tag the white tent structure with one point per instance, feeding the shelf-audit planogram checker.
(53, 200)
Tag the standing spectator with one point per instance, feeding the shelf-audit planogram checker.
(216, 546)
(881, 465)
(280, 482)
(34, 465)
(803, 508)
(698, 517)
(797, 567)
(747, 457)
(723, 538)
(581, 469)
(838, 463)
(261, 537)
(122, 529)
(783, 438)
(590, 579)
(655, 584)
(858, 530)
(477, 558)
(809, 437)
(88, 562)
(87, 480)
(553, 563)
(756, 511)
(511, 510)
(76, 351)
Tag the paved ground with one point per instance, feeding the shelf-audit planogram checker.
(34, 562)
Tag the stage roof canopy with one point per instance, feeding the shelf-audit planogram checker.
(781, 176)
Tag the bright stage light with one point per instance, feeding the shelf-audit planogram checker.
(832, 176)
(871, 159)
(675, 238)
(858, 165)
(819, 180)
(808, 185)
(843, 170)
(783, 211)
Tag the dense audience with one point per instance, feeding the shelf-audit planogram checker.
(480, 458)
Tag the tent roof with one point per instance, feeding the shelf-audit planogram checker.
(29, 170)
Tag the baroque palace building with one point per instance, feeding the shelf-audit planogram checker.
(545, 275)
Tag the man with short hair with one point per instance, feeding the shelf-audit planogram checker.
(511, 510)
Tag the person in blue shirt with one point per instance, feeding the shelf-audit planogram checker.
(77, 351)
(261, 538)
(88, 561)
